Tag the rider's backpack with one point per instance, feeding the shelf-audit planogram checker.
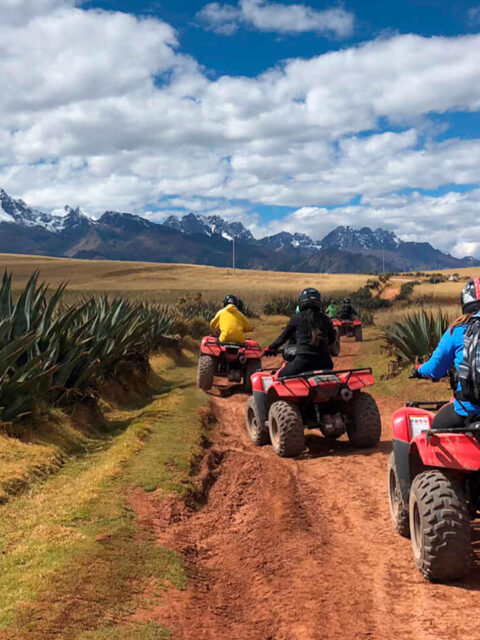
(469, 370)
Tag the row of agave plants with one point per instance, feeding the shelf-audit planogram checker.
(58, 354)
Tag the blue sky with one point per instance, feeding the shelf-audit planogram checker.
(249, 52)
(286, 115)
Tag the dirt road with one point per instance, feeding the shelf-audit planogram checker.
(300, 549)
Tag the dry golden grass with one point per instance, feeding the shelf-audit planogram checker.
(169, 281)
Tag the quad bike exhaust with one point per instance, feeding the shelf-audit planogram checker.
(331, 425)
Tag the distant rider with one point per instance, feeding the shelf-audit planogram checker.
(231, 322)
(332, 309)
(314, 334)
(347, 312)
(450, 352)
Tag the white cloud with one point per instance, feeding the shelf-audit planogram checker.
(276, 17)
(101, 109)
(221, 18)
(474, 16)
(413, 217)
(22, 11)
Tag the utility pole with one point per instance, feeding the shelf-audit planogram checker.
(383, 256)
(233, 254)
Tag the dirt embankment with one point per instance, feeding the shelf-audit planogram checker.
(299, 549)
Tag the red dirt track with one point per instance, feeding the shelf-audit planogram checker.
(299, 549)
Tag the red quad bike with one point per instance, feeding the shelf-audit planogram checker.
(281, 408)
(349, 328)
(236, 362)
(434, 489)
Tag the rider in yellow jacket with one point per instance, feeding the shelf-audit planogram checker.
(231, 322)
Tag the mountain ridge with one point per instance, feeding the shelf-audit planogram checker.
(207, 240)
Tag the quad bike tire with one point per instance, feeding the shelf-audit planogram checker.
(365, 425)
(250, 367)
(257, 430)
(440, 527)
(205, 372)
(358, 334)
(286, 429)
(398, 511)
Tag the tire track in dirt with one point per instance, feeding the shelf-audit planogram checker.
(299, 549)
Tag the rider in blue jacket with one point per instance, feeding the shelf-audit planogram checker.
(450, 352)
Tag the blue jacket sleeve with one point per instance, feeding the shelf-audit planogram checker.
(442, 358)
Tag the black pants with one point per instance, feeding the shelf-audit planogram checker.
(301, 364)
(448, 417)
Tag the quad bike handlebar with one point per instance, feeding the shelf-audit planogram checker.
(269, 352)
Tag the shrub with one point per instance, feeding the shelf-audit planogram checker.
(53, 353)
(196, 306)
(367, 317)
(372, 283)
(198, 327)
(281, 306)
(415, 337)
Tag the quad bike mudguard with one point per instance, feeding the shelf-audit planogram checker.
(213, 347)
(268, 388)
(338, 323)
(414, 440)
(210, 346)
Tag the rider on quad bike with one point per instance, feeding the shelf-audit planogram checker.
(314, 334)
(450, 352)
(347, 312)
(332, 309)
(434, 468)
(307, 393)
(230, 321)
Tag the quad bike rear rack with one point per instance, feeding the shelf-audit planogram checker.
(309, 374)
(234, 345)
(429, 405)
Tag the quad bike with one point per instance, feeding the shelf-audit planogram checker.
(434, 489)
(236, 362)
(281, 408)
(349, 328)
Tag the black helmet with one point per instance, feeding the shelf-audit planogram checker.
(240, 305)
(346, 301)
(230, 299)
(470, 297)
(309, 298)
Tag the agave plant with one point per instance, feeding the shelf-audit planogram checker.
(415, 337)
(57, 353)
(281, 305)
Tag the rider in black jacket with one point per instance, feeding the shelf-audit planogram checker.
(347, 312)
(314, 333)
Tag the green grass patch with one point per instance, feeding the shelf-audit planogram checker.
(75, 561)
(150, 631)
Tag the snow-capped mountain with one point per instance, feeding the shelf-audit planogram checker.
(285, 239)
(349, 239)
(208, 225)
(17, 212)
(206, 240)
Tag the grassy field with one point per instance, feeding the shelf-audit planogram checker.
(75, 558)
(167, 282)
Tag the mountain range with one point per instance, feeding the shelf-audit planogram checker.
(207, 240)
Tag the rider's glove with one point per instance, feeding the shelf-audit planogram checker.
(416, 373)
(270, 352)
